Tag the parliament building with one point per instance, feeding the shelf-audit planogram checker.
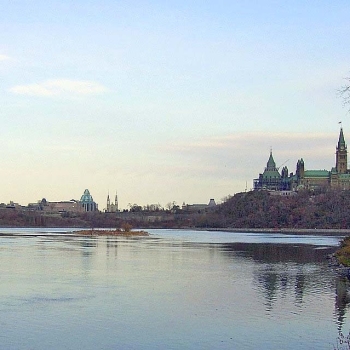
(338, 177)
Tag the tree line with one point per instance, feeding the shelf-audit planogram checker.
(328, 209)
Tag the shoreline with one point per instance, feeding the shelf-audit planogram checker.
(321, 232)
(142, 231)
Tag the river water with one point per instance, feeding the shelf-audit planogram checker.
(176, 289)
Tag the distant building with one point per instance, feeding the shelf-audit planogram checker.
(60, 207)
(13, 205)
(338, 177)
(112, 207)
(271, 179)
(87, 202)
(198, 207)
(283, 193)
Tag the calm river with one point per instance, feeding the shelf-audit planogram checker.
(172, 290)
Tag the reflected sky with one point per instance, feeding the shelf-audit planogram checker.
(171, 290)
(228, 237)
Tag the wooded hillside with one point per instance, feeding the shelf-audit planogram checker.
(259, 209)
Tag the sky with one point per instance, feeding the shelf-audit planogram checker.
(166, 101)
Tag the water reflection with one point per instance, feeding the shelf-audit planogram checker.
(342, 300)
(165, 292)
(282, 271)
(294, 269)
(274, 253)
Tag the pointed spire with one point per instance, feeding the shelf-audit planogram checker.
(116, 201)
(108, 203)
(341, 142)
(271, 163)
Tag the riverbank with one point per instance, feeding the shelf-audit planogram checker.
(343, 253)
(316, 231)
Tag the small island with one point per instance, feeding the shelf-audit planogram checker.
(117, 232)
(125, 230)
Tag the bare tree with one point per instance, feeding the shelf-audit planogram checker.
(344, 92)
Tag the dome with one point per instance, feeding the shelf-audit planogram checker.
(86, 197)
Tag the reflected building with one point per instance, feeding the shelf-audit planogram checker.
(342, 299)
(286, 273)
(299, 286)
(269, 282)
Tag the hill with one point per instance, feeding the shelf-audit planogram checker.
(258, 209)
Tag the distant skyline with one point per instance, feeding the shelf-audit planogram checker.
(177, 101)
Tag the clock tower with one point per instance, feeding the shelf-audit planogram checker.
(341, 155)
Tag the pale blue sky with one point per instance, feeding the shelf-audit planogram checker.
(166, 101)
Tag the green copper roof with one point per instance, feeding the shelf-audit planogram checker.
(341, 142)
(271, 163)
(273, 174)
(86, 197)
(316, 173)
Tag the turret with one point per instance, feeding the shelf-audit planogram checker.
(300, 168)
(284, 172)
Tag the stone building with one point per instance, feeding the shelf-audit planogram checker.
(340, 174)
(60, 207)
(198, 207)
(112, 207)
(271, 179)
(338, 177)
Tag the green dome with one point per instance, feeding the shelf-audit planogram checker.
(86, 197)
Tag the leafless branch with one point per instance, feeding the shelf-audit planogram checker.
(344, 93)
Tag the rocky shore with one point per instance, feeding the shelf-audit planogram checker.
(340, 260)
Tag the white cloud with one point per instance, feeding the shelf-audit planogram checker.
(4, 57)
(59, 87)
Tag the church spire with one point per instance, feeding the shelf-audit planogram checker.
(116, 201)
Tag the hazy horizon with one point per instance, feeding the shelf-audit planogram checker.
(179, 101)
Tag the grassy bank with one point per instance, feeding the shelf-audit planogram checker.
(343, 253)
